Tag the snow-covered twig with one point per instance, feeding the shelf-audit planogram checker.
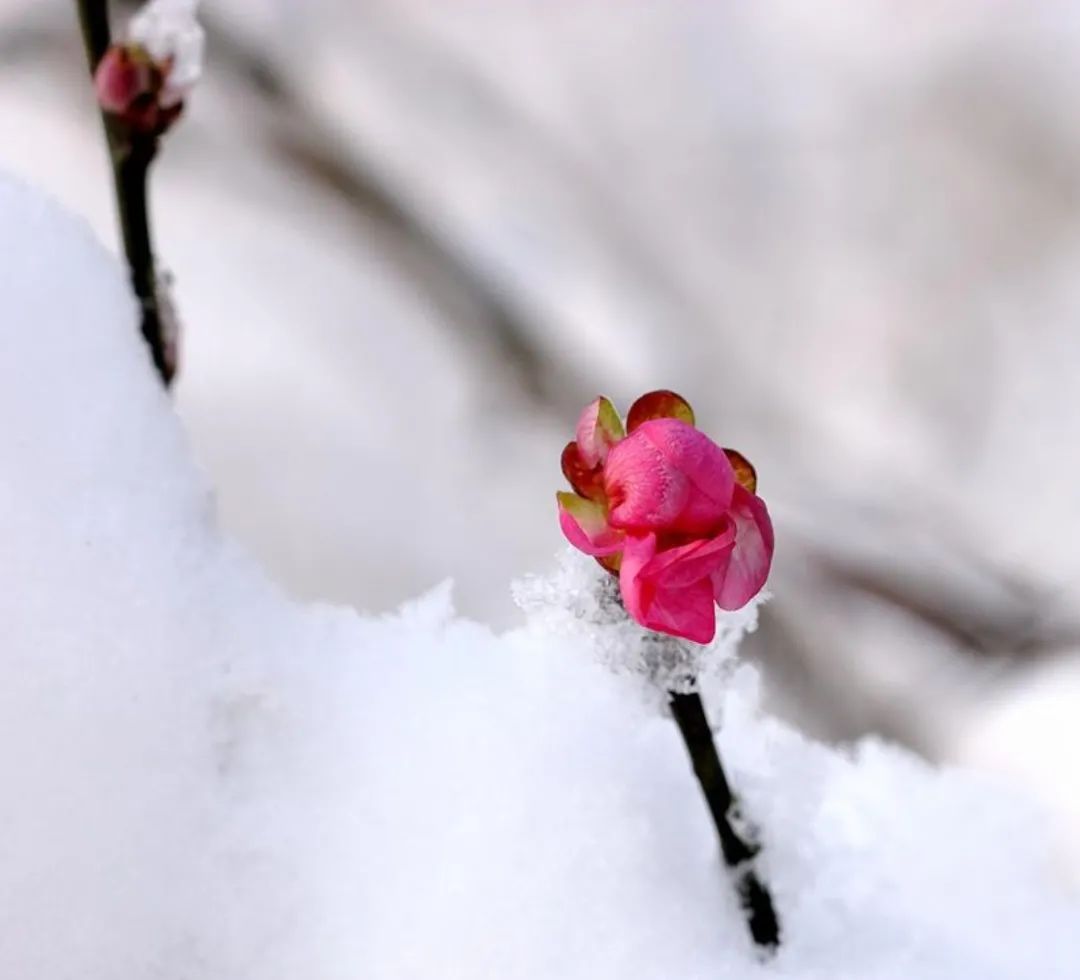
(678, 520)
(584, 600)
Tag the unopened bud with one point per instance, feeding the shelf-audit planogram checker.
(132, 86)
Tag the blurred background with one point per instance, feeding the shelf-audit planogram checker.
(411, 239)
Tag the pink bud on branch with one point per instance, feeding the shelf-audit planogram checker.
(144, 80)
(674, 514)
(141, 84)
(131, 86)
(678, 519)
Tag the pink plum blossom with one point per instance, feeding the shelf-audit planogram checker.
(669, 511)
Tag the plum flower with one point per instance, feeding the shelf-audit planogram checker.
(669, 511)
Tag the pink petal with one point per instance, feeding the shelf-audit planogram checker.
(637, 595)
(598, 429)
(659, 405)
(673, 600)
(668, 476)
(751, 557)
(689, 563)
(584, 522)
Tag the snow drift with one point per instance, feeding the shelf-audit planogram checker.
(201, 779)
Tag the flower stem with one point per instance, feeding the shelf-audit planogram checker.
(130, 155)
(739, 851)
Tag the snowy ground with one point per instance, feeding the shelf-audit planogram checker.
(204, 779)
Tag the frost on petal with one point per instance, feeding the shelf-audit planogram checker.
(170, 34)
(598, 429)
(584, 522)
(659, 405)
(686, 611)
(668, 476)
(745, 474)
(751, 557)
(586, 480)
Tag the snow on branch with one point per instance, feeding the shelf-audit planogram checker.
(170, 33)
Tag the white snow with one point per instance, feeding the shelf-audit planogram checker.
(203, 779)
(584, 602)
(167, 29)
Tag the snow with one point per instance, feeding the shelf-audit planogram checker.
(204, 779)
(167, 29)
(580, 596)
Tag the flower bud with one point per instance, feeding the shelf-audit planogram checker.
(664, 507)
(131, 86)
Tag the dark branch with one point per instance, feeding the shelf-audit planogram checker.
(130, 155)
(738, 851)
(94, 21)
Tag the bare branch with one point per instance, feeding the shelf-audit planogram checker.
(130, 154)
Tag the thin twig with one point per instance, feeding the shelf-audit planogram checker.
(94, 21)
(130, 155)
(739, 853)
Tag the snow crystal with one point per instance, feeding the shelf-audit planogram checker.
(203, 780)
(167, 29)
(583, 601)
